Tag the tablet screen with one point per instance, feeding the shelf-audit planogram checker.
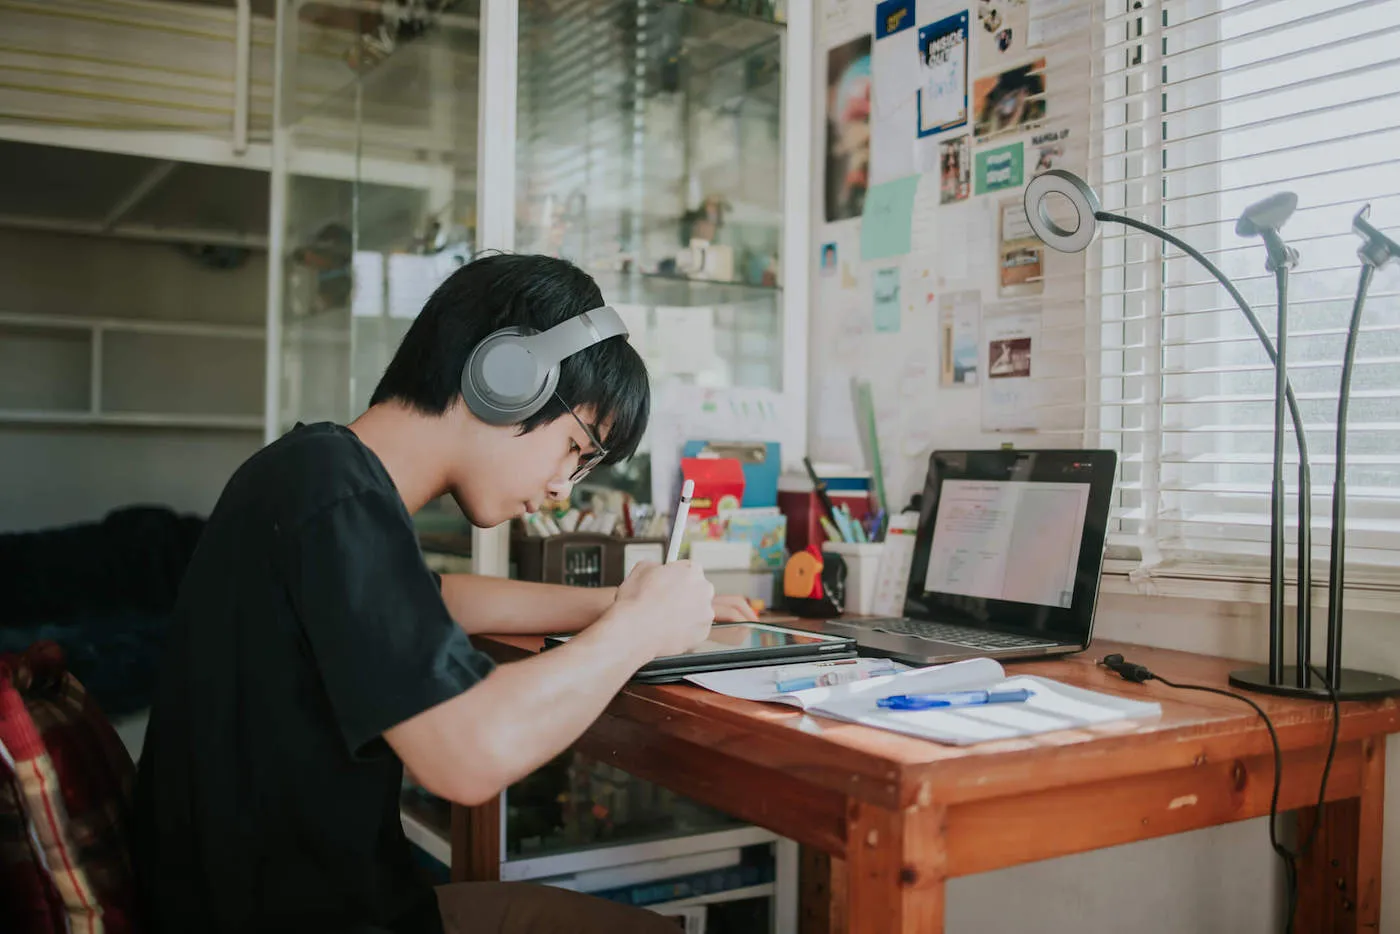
(735, 637)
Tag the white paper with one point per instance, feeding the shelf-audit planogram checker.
(960, 324)
(896, 560)
(367, 300)
(1008, 346)
(835, 409)
(894, 151)
(1053, 21)
(412, 280)
(685, 338)
(896, 72)
(924, 233)
(844, 19)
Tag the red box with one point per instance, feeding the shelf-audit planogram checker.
(802, 509)
(719, 484)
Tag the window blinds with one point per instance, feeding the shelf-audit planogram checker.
(1200, 108)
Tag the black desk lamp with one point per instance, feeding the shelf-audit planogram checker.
(1264, 220)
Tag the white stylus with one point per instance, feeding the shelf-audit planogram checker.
(678, 530)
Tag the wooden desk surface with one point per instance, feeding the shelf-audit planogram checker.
(831, 785)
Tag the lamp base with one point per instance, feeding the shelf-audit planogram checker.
(1354, 685)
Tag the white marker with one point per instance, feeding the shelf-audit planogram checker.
(678, 530)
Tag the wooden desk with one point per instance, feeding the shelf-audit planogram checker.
(896, 817)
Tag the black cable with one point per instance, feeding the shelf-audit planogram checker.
(1139, 674)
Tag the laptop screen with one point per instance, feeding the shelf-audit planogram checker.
(1012, 540)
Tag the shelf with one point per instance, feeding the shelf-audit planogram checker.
(135, 326)
(132, 420)
(436, 842)
(766, 890)
(562, 864)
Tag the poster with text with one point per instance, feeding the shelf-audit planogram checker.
(943, 61)
(1010, 102)
(1003, 167)
(895, 61)
(1020, 253)
(847, 128)
(1009, 343)
(959, 320)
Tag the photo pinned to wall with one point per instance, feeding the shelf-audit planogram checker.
(1000, 168)
(959, 321)
(829, 261)
(885, 299)
(1003, 31)
(1050, 150)
(955, 169)
(1008, 350)
(848, 88)
(943, 60)
(1010, 102)
(1020, 254)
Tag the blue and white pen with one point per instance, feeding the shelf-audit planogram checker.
(954, 699)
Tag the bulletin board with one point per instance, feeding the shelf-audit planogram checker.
(929, 284)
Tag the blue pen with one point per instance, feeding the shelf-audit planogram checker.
(955, 699)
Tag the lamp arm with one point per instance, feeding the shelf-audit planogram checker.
(1336, 572)
(1304, 466)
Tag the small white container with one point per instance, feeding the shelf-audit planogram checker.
(862, 572)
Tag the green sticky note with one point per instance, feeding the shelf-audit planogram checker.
(887, 224)
(886, 299)
(1003, 167)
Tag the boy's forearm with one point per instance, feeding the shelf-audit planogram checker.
(522, 715)
(502, 606)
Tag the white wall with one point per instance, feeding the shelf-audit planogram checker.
(51, 475)
(1224, 880)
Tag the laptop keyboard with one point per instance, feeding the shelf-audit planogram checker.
(959, 635)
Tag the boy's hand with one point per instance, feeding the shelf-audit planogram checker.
(731, 608)
(669, 605)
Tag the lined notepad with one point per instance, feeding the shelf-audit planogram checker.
(1053, 705)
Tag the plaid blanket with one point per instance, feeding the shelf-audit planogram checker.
(65, 792)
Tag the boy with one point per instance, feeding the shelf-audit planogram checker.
(313, 655)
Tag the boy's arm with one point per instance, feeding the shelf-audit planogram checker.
(522, 714)
(502, 606)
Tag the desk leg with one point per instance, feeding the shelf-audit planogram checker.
(895, 869)
(821, 901)
(476, 842)
(1339, 881)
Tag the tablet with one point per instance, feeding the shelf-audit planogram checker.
(740, 645)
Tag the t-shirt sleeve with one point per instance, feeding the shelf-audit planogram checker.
(373, 615)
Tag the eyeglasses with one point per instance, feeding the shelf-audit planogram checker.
(586, 462)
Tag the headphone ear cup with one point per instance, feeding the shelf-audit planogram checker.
(501, 381)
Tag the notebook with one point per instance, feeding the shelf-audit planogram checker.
(1053, 705)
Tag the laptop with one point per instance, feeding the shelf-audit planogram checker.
(1007, 559)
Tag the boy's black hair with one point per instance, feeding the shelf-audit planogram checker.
(498, 290)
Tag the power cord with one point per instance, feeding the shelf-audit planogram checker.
(1138, 674)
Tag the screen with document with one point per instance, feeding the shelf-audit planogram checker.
(1012, 540)
(1008, 540)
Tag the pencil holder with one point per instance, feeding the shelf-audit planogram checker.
(581, 559)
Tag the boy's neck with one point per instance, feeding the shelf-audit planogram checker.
(410, 446)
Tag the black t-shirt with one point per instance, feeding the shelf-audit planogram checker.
(307, 625)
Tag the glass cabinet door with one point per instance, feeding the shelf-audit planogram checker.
(377, 174)
(649, 151)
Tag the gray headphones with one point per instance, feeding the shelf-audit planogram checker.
(511, 374)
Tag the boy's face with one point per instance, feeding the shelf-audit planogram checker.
(512, 473)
